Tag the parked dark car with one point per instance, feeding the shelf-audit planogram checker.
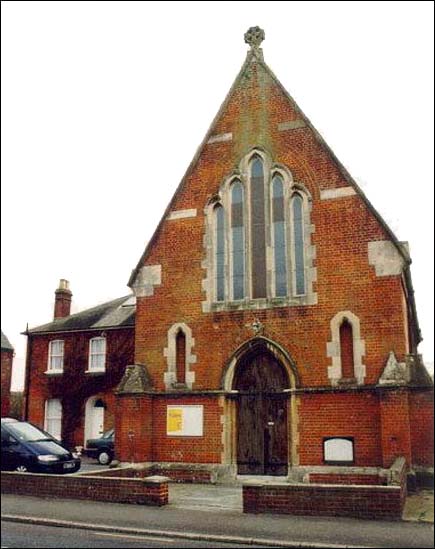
(102, 448)
(26, 448)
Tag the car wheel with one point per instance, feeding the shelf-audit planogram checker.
(21, 469)
(104, 458)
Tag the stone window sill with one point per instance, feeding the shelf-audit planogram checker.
(95, 372)
(347, 381)
(262, 303)
(53, 372)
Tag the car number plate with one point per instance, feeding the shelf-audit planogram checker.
(69, 465)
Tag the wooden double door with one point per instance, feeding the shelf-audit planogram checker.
(262, 416)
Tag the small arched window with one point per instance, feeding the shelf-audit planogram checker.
(220, 253)
(237, 241)
(180, 353)
(258, 231)
(298, 244)
(346, 350)
(279, 244)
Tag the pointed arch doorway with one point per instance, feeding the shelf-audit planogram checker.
(262, 414)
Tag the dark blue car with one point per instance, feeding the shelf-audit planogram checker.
(102, 448)
(26, 448)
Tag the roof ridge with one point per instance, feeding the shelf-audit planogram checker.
(59, 321)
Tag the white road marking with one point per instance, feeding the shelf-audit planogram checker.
(137, 538)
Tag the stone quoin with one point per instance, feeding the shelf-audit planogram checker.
(272, 327)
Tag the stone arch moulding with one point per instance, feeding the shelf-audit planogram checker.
(333, 348)
(252, 345)
(170, 352)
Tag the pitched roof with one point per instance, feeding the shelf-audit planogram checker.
(120, 312)
(6, 344)
(255, 55)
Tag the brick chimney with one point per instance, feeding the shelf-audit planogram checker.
(62, 303)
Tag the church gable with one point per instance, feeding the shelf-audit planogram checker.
(259, 116)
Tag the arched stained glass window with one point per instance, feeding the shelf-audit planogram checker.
(298, 243)
(346, 350)
(258, 232)
(220, 253)
(279, 245)
(238, 241)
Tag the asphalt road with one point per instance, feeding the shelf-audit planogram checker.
(28, 535)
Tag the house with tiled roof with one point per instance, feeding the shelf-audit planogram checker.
(74, 364)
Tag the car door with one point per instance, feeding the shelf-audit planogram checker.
(9, 451)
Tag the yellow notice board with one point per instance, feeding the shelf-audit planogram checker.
(185, 421)
(174, 420)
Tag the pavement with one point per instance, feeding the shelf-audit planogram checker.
(419, 506)
(213, 513)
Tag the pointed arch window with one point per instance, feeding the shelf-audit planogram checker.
(237, 241)
(258, 229)
(346, 350)
(278, 237)
(180, 356)
(298, 244)
(258, 239)
(219, 223)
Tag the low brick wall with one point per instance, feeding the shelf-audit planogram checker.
(343, 500)
(370, 502)
(173, 473)
(148, 491)
(344, 478)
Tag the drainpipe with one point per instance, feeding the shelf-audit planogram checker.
(27, 374)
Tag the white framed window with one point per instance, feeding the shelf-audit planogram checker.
(55, 356)
(97, 354)
(53, 417)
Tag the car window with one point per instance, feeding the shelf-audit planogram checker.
(26, 432)
(108, 434)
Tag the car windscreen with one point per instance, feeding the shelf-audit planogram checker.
(26, 432)
(108, 434)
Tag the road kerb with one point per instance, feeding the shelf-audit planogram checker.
(195, 536)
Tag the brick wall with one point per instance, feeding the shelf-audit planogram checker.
(114, 490)
(179, 473)
(344, 478)
(341, 499)
(395, 426)
(6, 374)
(421, 414)
(368, 502)
(348, 414)
(141, 431)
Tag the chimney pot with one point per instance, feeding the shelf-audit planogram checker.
(62, 301)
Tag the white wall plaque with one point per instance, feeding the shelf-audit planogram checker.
(338, 450)
(184, 421)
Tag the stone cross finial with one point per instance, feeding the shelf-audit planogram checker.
(254, 36)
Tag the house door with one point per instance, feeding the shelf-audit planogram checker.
(94, 419)
(262, 431)
(97, 427)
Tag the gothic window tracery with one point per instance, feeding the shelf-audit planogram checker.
(259, 250)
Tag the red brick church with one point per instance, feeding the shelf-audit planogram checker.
(273, 327)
